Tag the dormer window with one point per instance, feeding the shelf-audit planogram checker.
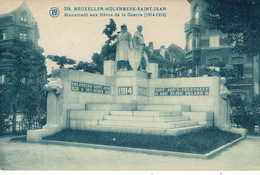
(23, 17)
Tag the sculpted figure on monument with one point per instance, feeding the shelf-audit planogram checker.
(124, 44)
(138, 43)
(55, 84)
(223, 90)
(54, 99)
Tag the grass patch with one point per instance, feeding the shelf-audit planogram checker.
(200, 142)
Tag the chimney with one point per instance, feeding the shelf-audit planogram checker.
(150, 47)
(162, 51)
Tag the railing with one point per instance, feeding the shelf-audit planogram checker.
(192, 23)
(23, 126)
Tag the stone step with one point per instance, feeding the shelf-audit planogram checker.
(135, 130)
(129, 129)
(146, 118)
(110, 107)
(87, 114)
(178, 108)
(185, 130)
(146, 113)
(147, 124)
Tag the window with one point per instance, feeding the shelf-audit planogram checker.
(3, 35)
(256, 88)
(2, 79)
(23, 17)
(237, 60)
(189, 42)
(196, 15)
(213, 61)
(214, 41)
(23, 35)
(196, 42)
(242, 95)
(238, 70)
(23, 81)
(189, 72)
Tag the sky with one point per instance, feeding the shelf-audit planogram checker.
(80, 37)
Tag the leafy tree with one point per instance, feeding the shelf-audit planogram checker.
(96, 66)
(181, 69)
(210, 71)
(255, 109)
(98, 63)
(242, 113)
(25, 78)
(85, 66)
(238, 113)
(61, 60)
(108, 51)
(239, 19)
(34, 108)
(5, 108)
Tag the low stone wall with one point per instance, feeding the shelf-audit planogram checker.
(201, 93)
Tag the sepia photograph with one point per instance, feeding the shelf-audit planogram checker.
(130, 86)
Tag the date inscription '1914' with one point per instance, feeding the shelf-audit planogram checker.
(182, 91)
(125, 90)
(90, 88)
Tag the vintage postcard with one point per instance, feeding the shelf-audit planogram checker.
(124, 73)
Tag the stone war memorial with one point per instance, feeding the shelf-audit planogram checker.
(130, 98)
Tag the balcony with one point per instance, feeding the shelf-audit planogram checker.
(193, 55)
(193, 23)
(18, 42)
(6, 42)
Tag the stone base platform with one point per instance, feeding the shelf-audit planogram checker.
(38, 134)
(140, 119)
(131, 118)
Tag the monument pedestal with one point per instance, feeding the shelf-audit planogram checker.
(117, 101)
(133, 73)
(132, 87)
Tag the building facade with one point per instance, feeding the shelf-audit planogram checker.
(17, 28)
(166, 58)
(208, 48)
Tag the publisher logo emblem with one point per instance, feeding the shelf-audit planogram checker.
(54, 12)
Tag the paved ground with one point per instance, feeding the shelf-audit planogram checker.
(31, 156)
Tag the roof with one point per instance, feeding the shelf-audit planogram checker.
(176, 52)
(173, 54)
(157, 52)
(157, 58)
(9, 8)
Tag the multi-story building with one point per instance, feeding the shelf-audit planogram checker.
(166, 58)
(18, 28)
(211, 47)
